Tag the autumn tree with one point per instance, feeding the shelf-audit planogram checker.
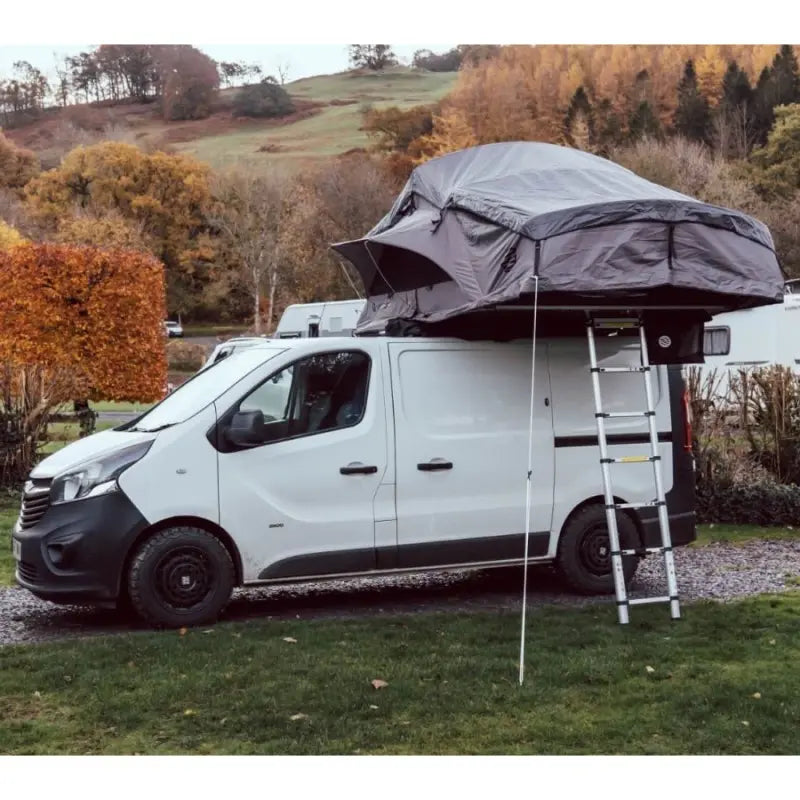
(332, 202)
(692, 116)
(9, 236)
(17, 165)
(188, 81)
(77, 322)
(164, 196)
(250, 213)
(372, 56)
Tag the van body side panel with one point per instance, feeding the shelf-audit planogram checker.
(462, 416)
(286, 504)
(577, 454)
(178, 476)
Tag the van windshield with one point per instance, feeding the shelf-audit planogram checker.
(203, 388)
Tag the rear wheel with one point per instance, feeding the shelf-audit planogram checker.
(181, 577)
(584, 551)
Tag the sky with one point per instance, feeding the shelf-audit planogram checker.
(304, 59)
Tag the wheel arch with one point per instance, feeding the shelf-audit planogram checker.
(174, 522)
(600, 501)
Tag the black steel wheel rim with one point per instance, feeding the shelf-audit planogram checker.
(184, 577)
(595, 550)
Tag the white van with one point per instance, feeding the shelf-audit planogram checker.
(324, 457)
(753, 338)
(333, 318)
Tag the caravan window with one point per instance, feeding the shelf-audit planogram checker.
(717, 341)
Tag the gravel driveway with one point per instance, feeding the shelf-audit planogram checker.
(717, 572)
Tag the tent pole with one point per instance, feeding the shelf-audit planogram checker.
(528, 489)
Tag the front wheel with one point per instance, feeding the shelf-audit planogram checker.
(584, 551)
(181, 577)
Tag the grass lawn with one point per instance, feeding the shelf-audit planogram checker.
(722, 680)
(9, 510)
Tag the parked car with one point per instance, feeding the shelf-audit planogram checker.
(173, 329)
(308, 458)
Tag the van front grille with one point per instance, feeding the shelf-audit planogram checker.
(35, 502)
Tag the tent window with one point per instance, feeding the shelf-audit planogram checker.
(717, 341)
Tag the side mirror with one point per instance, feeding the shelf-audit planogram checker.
(246, 429)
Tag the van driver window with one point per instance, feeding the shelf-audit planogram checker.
(316, 394)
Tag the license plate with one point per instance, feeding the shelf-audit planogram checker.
(16, 549)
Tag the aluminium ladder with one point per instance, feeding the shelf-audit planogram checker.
(660, 502)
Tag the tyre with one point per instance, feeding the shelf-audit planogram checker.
(584, 551)
(181, 577)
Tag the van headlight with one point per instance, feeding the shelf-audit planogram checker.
(96, 477)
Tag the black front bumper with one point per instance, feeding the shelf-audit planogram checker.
(76, 552)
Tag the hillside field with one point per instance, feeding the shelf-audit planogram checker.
(327, 121)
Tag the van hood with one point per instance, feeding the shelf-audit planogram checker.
(98, 444)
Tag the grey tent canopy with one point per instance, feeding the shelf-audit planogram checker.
(472, 230)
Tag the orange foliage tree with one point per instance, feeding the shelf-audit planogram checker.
(524, 92)
(95, 314)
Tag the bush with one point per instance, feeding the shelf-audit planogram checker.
(185, 356)
(438, 62)
(766, 504)
(264, 99)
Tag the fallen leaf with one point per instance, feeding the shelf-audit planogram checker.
(210, 630)
(223, 720)
(377, 683)
(238, 635)
(295, 717)
(189, 712)
(745, 723)
(772, 641)
(131, 664)
(757, 695)
(290, 639)
(372, 705)
(37, 694)
(649, 669)
(228, 675)
(68, 678)
(182, 632)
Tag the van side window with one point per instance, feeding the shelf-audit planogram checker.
(717, 341)
(316, 394)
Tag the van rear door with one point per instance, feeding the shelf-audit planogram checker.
(461, 429)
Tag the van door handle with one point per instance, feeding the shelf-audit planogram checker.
(434, 465)
(357, 468)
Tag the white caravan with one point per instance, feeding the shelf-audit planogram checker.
(314, 458)
(753, 338)
(334, 318)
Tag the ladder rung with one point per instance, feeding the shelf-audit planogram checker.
(616, 322)
(642, 601)
(619, 369)
(643, 551)
(647, 504)
(630, 460)
(624, 414)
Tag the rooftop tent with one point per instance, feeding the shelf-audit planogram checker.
(471, 229)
